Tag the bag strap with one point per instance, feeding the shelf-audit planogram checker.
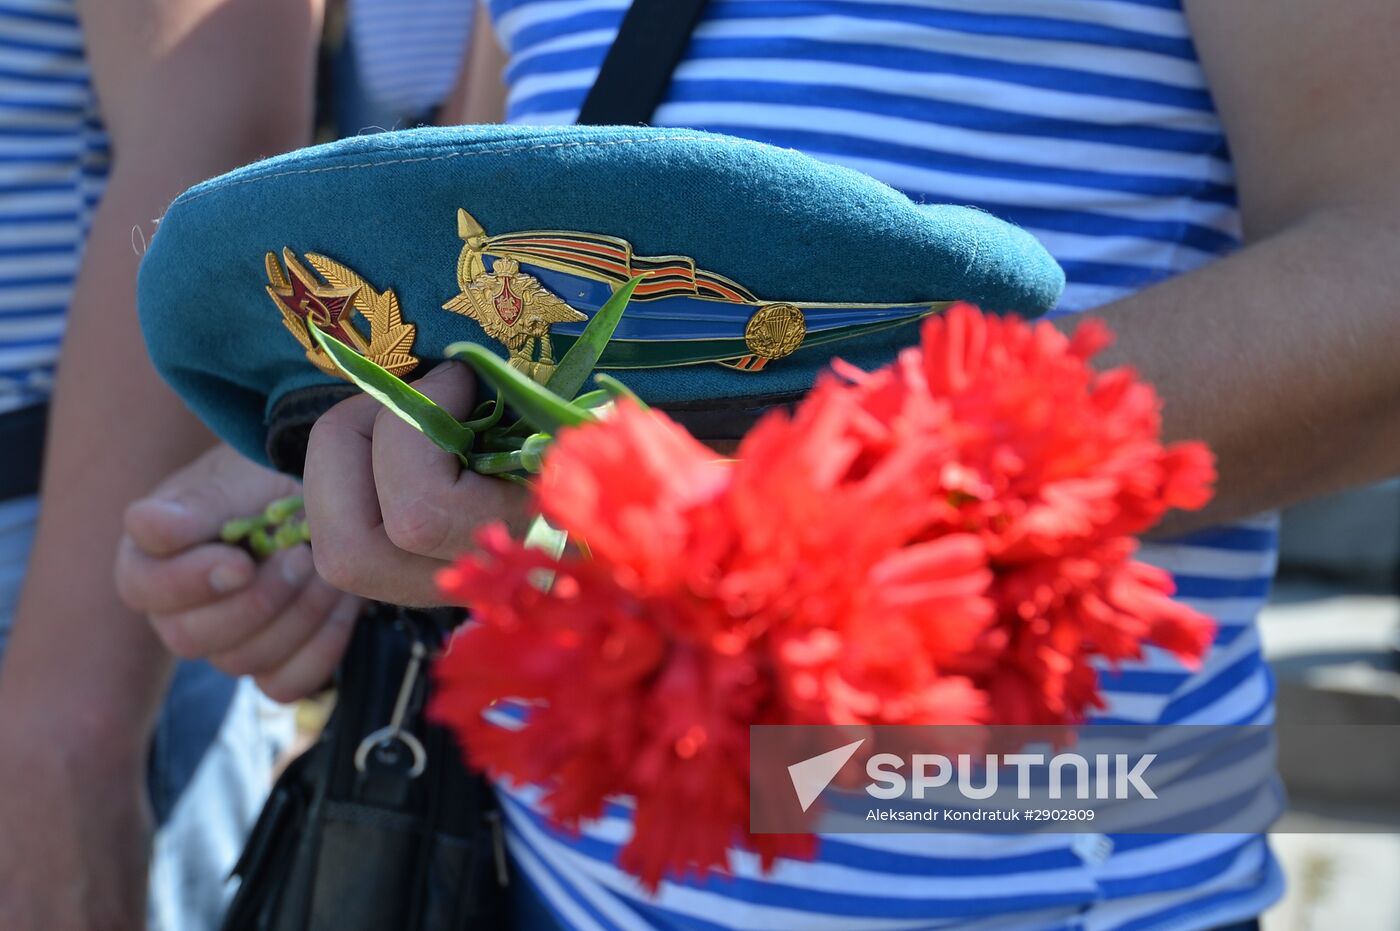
(637, 70)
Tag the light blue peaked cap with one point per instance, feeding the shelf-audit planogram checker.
(761, 264)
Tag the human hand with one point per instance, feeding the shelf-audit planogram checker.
(277, 622)
(387, 508)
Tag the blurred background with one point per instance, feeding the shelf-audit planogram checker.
(1332, 634)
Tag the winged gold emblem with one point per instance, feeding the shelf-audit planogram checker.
(332, 305)
(511, 306)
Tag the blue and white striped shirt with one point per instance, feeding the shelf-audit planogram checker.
(1089, 122)
(53, 159)
(407, 55)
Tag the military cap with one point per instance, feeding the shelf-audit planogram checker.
(759, 266)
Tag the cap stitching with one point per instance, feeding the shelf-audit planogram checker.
(184, 199)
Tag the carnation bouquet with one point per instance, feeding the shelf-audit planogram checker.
(946, 540)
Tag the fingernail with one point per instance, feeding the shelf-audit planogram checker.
(170, 510)
(229, 577)
(297, 565)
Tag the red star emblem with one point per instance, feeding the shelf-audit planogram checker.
(320, 306)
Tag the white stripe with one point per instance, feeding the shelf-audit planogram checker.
(687, 900)
(971, 188)
(39, 147)
(939, 138)
(1236, 703)
(1096, 59)
(1244, 874)
(1227, 610)
(530, 14)
(50, 328)
(550, 888)
(821, 876)
(1180, 559)
(31, 30)
(34, 234)
(592, 38)
(26, 296)
(1166, 23)
(1169, 854)
(1081, 297)
(955, 89)
(1124, 250)
(32, 172)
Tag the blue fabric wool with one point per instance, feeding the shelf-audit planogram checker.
(787, 227)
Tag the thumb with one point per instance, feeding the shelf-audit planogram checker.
(192, 505)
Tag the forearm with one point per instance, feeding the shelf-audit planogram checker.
(1284, 358)
(114, 431)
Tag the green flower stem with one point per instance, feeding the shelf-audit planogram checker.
(497, 442)
(532, 453)
(488, 422)
(499, 463)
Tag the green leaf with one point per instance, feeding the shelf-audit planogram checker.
(618, 390)
(502, 462)
(593, 399)
(578, 363)
(411, 406)
(536, 404)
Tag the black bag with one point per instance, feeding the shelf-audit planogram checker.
(379, 825)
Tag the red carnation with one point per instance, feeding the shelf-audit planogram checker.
(945, 541)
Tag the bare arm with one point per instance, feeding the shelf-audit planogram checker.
(1286, 356)
(480, 94)
(188, 88)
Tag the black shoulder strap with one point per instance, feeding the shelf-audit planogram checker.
(638, 67)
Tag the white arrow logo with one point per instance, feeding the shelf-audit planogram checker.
(811, 776)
